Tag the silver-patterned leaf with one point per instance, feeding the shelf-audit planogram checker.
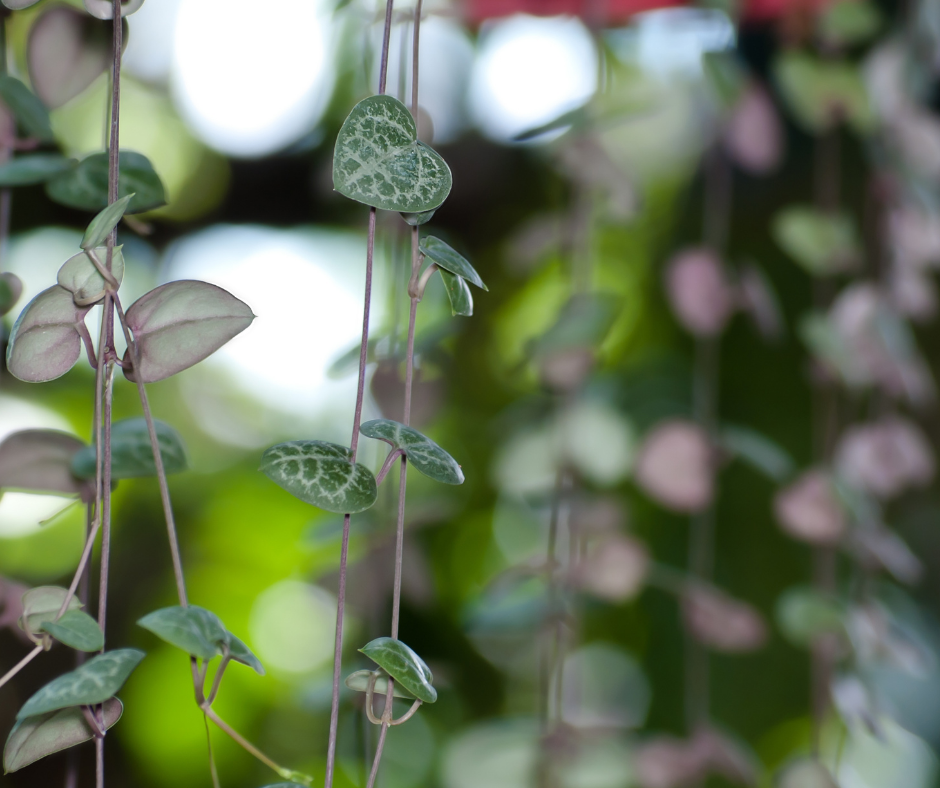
(80, 277)
(36, 737)
(76, 629)
(94, 682)
(450, 260)
(132, 453)
(379, 161)
(426, 456)
(179, 324)
(86, 186)
(39, 461)
(403, 665)
(461, 299)
(101, 226)
(44, 342)
(103, 9)
(359, 682)
(322, 474)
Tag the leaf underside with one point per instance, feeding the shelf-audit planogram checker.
(131, 451)
(404, 665)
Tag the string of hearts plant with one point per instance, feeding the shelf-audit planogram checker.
(379, 162)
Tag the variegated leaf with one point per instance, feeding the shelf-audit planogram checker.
(403, 665)
(426, 456)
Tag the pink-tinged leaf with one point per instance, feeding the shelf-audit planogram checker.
(720, 622)
(11, 288)
(614, 569)
(667, 762)
(102, 8)
(754, 135)
(39, 461)
(676, 466)
(809, 509)
(759, 302)
(701, 297)
(45, 342)
(179, 324)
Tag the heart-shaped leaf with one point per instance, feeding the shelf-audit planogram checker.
(450, 260)
(179, 324)
(103, 9)
(94, 682)
(17, 5)
(76, 629)
(35, 168)
(379, 161)
(86, 186)
(11, 288)
(417, 219)
(458, 292)
(426, 456)
(359, 682)
(39, 461)
(44, 342)
(322, 474)
(42, 604)
(30, 112)
(36, 737)
(102, 225)
(131, 452)
(81, 278)
(402, 664)
(195, 630)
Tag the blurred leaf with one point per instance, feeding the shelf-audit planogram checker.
(17, 5)
(348, 363)
(823, 93)
(131, 452)
(30, 112)
(76, 629)
(822, 244)
(36, 737)
(93, 682)
(359, 682)
(758, 451)
(379, 161)
(322, 474)
(86, 186)
(80, 277)
(726, 76)
(849, 22)
(195, 630)
(39, 461)
(450, 260)
(44, 342)
(461, 299)
(103, 9)
(102, 225)
(803, 614)
(426, 456)
(179, 324)
(241, 653)
(402, 664)
(11, 288)
(809, 773)
(584, 321)
(417, 219)
(34, 168)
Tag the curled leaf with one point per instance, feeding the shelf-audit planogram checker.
(45, 342)
(81, 278)
(34, 168)
(450, 260)
(101, 226)
(42, 604)
(402, 664)
(359, 682)
(76, 629)
(426, 456)
(86, 186)
(39, 461)
(131, 452)
(461, 299)
(179, 324)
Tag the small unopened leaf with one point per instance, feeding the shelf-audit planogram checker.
(30, 112)
(11, 288)
(322, 474)
(179, 324)
(36, 737)
(94, 682)
(461, 299)
(450, 260)
(39, 461)
(804, 614)
(359, 682)
(417, 219)
(44, 342)
(34, 168)
(76, 629)
(81, 278)
(42, 604)
(423, 453)
(379, 161)
(102, 225)
(132, 453)
(103, 9)
(195, 630)
(86, 186)
(402, 664)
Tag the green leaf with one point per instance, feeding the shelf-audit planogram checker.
(11, 288)
(77, 630)
(806, 773)
(461, 299)
(822, 94)
(849, 22)
(359, 682)
(131, 452)
(36, 737)
(29, 111)
(35, 168)
(195, 630)
(726, 76)
(322, 474)
(241, 653)
(803, 614)
(80, 277)
(179, 324)
(379, 161)
(822, 244)
(86, 186)
(584, 322)
(94, 682)
(417, 219)
(44, 342)
(39, 461)
(426, 456)
(102, 225)
(450, 260)
(402, 664)
(42, 604)
(758, 451)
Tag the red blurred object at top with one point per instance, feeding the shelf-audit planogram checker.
(605, 11)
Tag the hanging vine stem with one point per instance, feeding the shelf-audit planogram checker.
(354, 444)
